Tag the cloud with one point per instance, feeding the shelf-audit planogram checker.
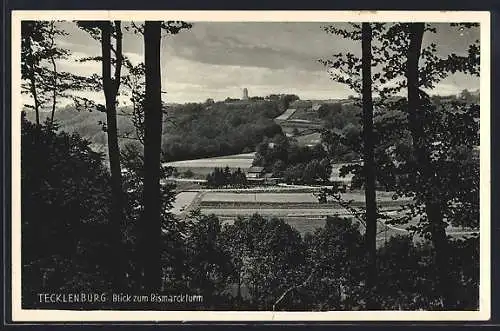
(217, 60)
(268, 45)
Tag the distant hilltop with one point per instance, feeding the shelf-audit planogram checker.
(290, 100)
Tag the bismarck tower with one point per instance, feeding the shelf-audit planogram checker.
(245, 94)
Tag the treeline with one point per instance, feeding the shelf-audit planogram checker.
(224, 177)
(197, 131)
(296, 164)
(191, 131)
(264, 264)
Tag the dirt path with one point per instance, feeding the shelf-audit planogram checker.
(193, 204)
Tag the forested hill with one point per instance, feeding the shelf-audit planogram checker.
(192, 130)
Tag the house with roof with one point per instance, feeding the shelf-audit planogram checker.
(255, 173)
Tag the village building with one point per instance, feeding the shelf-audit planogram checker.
(255, 173)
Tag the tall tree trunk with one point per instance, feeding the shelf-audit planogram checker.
(54, 92)
(110, 91)
(54, 76)
(33, 81)
(152, 149)
(428, 177)
(369, 163)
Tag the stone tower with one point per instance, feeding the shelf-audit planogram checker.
(245, 94)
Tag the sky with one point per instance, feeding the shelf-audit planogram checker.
(218, 59)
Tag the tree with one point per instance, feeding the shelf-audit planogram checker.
(238, 178)
(151, 223)
(227, 176)
(432, 169)
(346, 68)
(173, 229)
(278, 167)
(39, 56)
(105, 32)
(369, 162)
(430, 159)
(428, 178)
(54, 74)
(150, 248)
(135, 82)
(111, 87)
(443, 155)
(208, 260)
(31, 32)
(268, 258)
(336, 254)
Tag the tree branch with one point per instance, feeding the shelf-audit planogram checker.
(295, 287)
(119, 56)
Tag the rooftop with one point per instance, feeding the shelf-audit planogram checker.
(255, 169)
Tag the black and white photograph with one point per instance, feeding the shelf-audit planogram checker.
(250, 166)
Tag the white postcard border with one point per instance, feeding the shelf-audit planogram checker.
(49, 315)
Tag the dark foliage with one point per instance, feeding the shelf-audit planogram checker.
(264, 264)
(65, 210)
(294, 163)
(197, 131)
(226, 178)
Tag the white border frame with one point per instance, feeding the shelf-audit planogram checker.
(45, 315)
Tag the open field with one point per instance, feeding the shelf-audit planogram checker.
(233, 161)
(250, 201)
(296, 212)
(300, 124)
(269, 189)
(202, 167)
(286, 115)
(299, 209)
(284, 204)
(288, 205)
(260, 197)
(287, 197)
(305, 114)
(296, 204)
(237, 156)
(309, 139)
